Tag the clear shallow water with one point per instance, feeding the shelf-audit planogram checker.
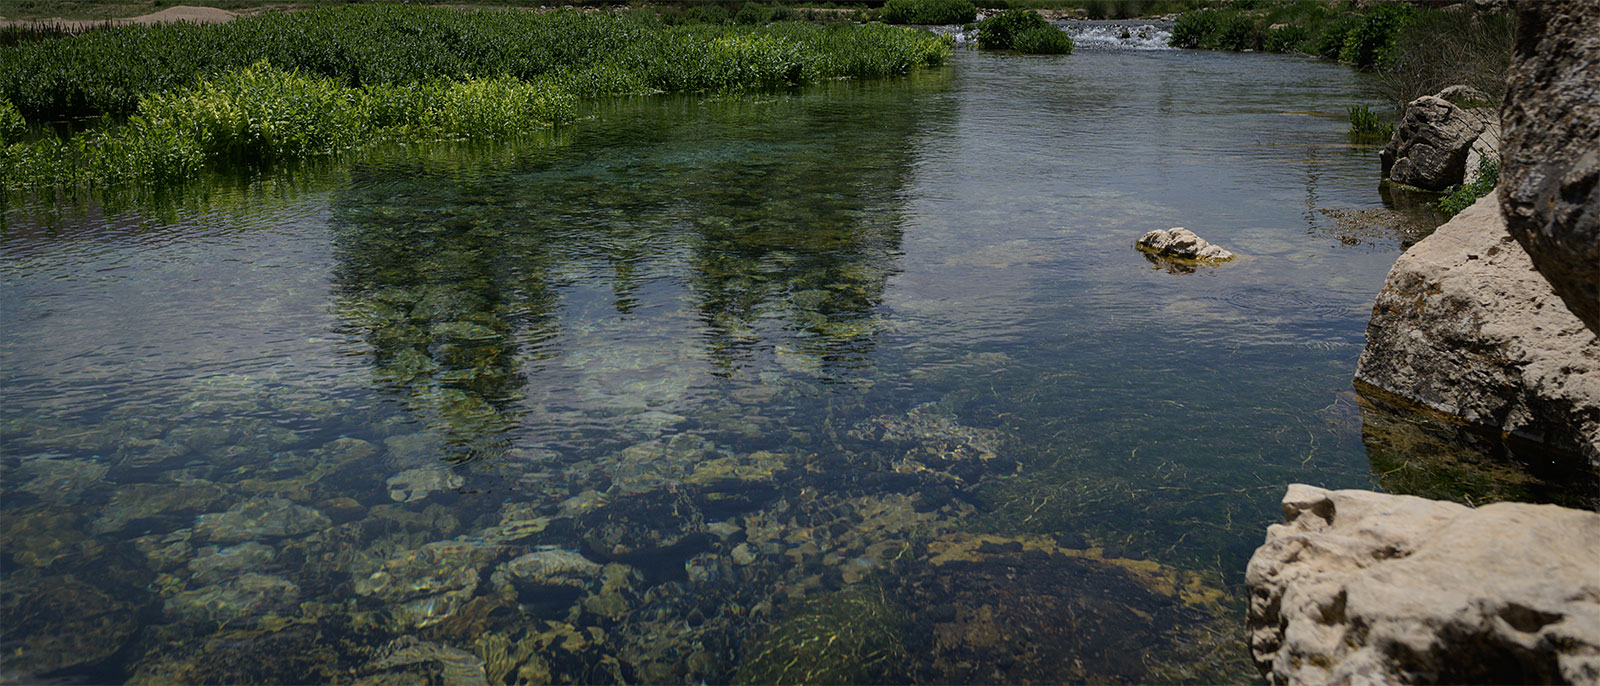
(864, 382)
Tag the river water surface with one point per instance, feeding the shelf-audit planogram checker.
(864, 382)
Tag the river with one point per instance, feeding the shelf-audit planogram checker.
(864, 382)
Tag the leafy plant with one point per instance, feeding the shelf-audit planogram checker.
(1367, 126)
(1461, 196)
(395, 78)
(12, 125)
(1043, 40)
(999, 32)
(1369, 43)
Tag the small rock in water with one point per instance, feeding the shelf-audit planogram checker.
(416, 484)
(1181, 243)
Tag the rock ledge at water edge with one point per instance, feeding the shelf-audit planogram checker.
(1358, 587)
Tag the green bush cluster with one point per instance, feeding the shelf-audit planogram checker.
(1370, 41)
(1304, 26)
(1043, 40)
(106, 72)
(264, 112)
(1461, 196)
(928, 11)
(1024, 31)
(261, 114)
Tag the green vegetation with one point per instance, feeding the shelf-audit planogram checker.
(1024, 31)
(928, 11)
(1367, 126)
(177, 98)
(1414, 50)
(12, 126)
(1369, 43)
(850, 636)
(1461, 196)
(1043, 40)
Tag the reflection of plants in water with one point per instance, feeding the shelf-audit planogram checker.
(1429, 455)
(436, 293)
(807, 238)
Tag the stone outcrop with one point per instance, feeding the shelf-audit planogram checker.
(1178, 242)
(1465, 326)
(1550, 184)
(1363, 588)
(1430, 147)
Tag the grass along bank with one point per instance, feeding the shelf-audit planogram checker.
(174, 99)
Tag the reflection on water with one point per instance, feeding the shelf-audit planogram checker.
(860, 383)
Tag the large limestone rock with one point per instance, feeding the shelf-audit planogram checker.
(1465, 326)
(1358, 587)
(1430, 147)
(1550, 183)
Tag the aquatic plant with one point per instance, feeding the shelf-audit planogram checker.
(261, 114)
(106, 72)
(929, 11)
(843, 637)
(1461, 196)
(1366, 126)
(12, 126)
(503, 73)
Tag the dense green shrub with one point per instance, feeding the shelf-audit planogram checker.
(255, 113)
(1193, 29)
(106, 72)
(1330, 42)
(1461, 196)
(1236, 33)
(1285, 39)
(707, 14)
(12, 125)
(1043, 40)
(999, 32)
(929, 11)
(1369, 43)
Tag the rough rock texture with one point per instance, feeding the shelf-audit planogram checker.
(1363, 588)
(1465, 326)
(1429, 148)
(1550, 183)
(1181, 243)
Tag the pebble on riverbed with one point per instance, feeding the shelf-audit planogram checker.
(1181, 243)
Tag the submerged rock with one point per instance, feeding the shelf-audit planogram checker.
(134, 502)
(1178, 242)
(409, 660)
(1006, 609)
(257, 519)
(427, 585)
(53, 623)
(242, 597)
(416, 484)
(1360, 587)
(1465, 326)
(548, 569)
(934, 441)
(215, 565)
